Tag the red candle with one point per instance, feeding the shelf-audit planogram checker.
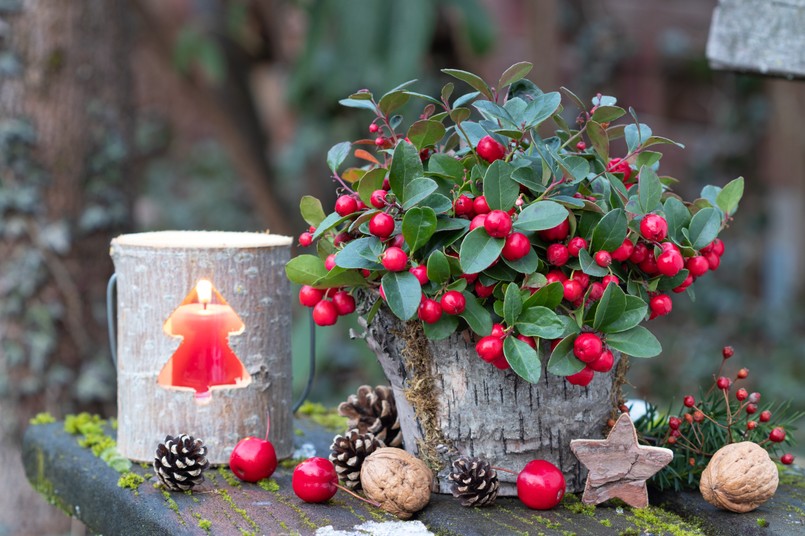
(204, 358)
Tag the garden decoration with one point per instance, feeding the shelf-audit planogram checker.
(203, 339)
(502, 275)
(180, 462)
(618, 466)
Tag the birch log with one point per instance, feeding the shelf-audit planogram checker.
(155, 271)
(456, 404)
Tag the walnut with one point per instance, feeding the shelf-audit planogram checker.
(399, 481)
(740, 477)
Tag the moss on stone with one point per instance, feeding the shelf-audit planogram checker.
(574, 505)
(83, 423)
(131, 481)
(762, 523)
(228, 476)
(328, 418)
(45, 487)
(269, 484)
(172, 505)
(290, 463)
(205, 524)
(235, 508)
(42, 418)
(605, 522)
(656, 520)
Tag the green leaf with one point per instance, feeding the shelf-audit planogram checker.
(465, 99)
(438, 268)
(512, 304)
(417, 190)
(540, 215)
(677, 215)
(479, 250)
(311, 210)
(649, 190)
(704, 227)
(524, 265)
(337, 154)
(371, 181)
(541, 108)
(562, 361)
(600, 140)
(516, 72)
(405, 168)
(610, 307)
(727, 200)
(392, 101)
(549, 296)
(500, 189)
(426, 133)
(403, 293)
(527, 176)
(360, 253)
(610, 232)
(636, 342)
(418, 225)
(647, 158)
(523, 359)
(493, 112)
(633, 314)
(305, 269)
(340, 277)
(459, 115)
(589, 266)
(472, 79)
(446, 166)
(635, 137)
(439, 203)
(447, 90)
(441, 329)
(606, 114)
(476, 316)
(357, 103)
(540, 322)
(575, 166)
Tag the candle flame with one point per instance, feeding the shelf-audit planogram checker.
(204, 291)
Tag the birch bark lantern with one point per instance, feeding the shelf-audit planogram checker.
(203, 340)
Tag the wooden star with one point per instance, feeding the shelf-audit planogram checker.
(618, 466)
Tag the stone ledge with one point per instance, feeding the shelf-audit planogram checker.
(85, 487)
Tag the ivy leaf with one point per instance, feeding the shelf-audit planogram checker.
(403, 293)
(305, 269)
(610, 232)
(425, 133)
(516, 72)
(549, 296)
(633, 314)
(418, 225)
(598, 137)
(476, 316)
(649, 190)
(523, 359)
(512, 304)
(540, 322)
(438, 268)
(610, 307)
(541, 215)
(729, 196)
(704, 227)
(479, 250)
(442, 328)
(337, 154)
(472, 79)
(636, 342)
(500, 189)
(311, 210)
(562, 361)
(416, 190)
(405, 167)
(589, 266)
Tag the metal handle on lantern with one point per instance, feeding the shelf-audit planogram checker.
(111, 293)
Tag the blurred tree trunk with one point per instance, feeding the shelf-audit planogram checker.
(65, 132)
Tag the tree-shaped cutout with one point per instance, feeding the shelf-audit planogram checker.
(204, 360)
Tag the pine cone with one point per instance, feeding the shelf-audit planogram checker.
(180, 462)
(374, 411)
(348, 452)
(474, 481)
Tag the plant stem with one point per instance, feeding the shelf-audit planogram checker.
(268, 423)
(505, 470)
(364, 499)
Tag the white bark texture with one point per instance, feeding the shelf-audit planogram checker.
(155, 271)
(452, 403)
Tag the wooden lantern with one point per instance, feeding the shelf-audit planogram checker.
(179, 370)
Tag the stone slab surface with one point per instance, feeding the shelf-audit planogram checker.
(71, 477)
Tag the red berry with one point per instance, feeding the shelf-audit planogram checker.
(253, 459)
(727, 352)
(305, 239)
(315, 480)
(743, 373)
(489, 348)
(754, 398)
(540, 485)
(581, 378)
(765, 416)
(378, 198)
(604, 363)
(787, 459)
(603, 259)
(501, 363)
(329, 262)
(588, 347)
(325, 313)
(670, 263)
(309, 296)
(777, 435)
(373, 128)
(580, 146)
(398, 241)
(557, 254)
(498, 224)
(344, 303)
(639, 253)
(490, 149)
(395, 259)
(421, 274)
(610, 279)
(346, 205)
(341, 238)
(482, 291)
(386, 184)
(751, 425)
(516, 247)
(528, 340)
(684, 285)
(429, 311)
(654, 228)
(617, 165)
(741, 394)
(555, 276)
(718, 247)
(689, 401)
(673, 423)
(624, 251)
(660, 305)
(453, 302)
(477, 221)
(381, 225)
(463, 206)
(480, 206)
(596, 291)
(498, 331)
(751, 409)
(723, 383)
(572, 290)
(713, 260)
(697, 266)
(649, 264)
(582, 278)
(575, 245)
(554, 234)
(380, 141)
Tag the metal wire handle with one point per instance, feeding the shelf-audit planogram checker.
(111, 295)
